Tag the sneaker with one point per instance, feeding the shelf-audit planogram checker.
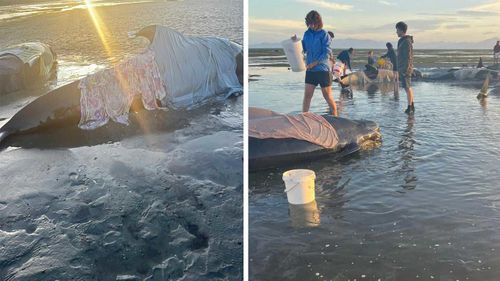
(413, 107)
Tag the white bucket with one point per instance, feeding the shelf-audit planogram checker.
(294, 54)
(299, 186)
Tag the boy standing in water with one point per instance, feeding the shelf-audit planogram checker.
(405, 63)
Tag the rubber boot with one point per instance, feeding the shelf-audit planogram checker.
(408, 110)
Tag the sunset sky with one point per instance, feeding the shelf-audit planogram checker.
(430, 21)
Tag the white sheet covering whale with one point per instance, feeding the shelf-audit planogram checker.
(195, 69)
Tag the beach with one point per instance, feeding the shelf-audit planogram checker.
(421, 205)
(158, 199)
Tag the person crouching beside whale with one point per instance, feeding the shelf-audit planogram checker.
(316, 46)
(405, 63)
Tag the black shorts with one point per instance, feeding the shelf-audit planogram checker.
(321, 78)
(405, 80)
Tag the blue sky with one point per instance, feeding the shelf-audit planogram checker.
(430, 21)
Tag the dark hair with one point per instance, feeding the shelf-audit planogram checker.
(388, 45)
(350, 50)
(331, 34)
(314, 18)
(402, 26)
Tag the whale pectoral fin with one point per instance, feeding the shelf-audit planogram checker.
(349, 149)
(3, 136)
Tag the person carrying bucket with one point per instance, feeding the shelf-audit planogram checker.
(316, 46)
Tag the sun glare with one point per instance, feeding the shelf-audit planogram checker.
(103, 33)
(100, 27)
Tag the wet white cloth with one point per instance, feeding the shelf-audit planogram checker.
(195, 69)
(108, 94)
(339, 70)
(307, 126)
(31, 53)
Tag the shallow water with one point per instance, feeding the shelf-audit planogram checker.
(422, 206)
(424, 59)
(158, 199)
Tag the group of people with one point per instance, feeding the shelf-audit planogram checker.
(320, 66)
(496, 55)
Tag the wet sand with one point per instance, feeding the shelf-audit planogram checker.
(165, 204)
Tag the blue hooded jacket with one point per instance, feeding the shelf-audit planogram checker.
(316, 45)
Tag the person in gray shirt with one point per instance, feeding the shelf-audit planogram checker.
(405, 63)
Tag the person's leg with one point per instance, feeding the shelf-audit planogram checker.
(408, 98)
(409, 94)
(406, 84)
(308, 94)
(327, 94)
(396, 82)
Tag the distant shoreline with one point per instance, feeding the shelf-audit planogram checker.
(423, 58)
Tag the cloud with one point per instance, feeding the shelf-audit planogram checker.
(471, 23)
(328, 5)
(413, 26)
(275, 23)
(490, 7)
(387, 3)
(457, 26)
(471, 13)
(273, 30)
(260, 24)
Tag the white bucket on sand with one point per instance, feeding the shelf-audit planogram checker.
(299, 186)
(294, 54)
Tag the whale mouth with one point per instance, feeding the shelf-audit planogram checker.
(372, 138)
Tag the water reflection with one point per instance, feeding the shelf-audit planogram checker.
(304, 215)
(484, 104)
(407, 147)
(371, 90)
